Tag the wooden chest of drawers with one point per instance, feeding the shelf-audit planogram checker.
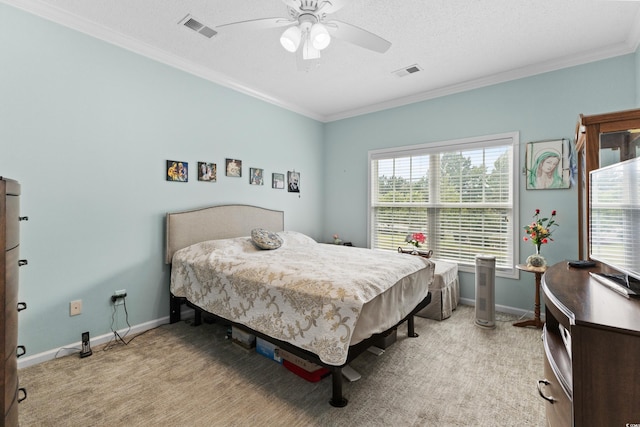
(9, 265)
(592, 342)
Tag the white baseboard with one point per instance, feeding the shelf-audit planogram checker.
(25, 362)
(503, 308)
(185, 313)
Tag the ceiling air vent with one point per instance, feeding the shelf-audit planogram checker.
(411, 69)
(198, 27)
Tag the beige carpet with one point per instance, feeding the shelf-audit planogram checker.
(454, 374)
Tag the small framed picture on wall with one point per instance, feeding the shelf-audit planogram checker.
(277, 181)
(233, 168)
(256, 176)
(293, 178)
(177, 171)
(207, 172)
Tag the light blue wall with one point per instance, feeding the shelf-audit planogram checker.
(86, 127)
(541, 107)
(638, 77)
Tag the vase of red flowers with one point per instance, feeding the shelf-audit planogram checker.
(416, 239)
(539, 233)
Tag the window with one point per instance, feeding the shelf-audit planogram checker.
(460, 194)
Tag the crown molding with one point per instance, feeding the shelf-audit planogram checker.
(516, 74)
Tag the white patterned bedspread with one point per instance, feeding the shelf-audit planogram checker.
(305, 293)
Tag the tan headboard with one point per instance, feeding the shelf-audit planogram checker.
(217, 222)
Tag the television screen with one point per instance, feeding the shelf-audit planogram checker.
(614, 217)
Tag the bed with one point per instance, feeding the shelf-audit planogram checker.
(325, 303)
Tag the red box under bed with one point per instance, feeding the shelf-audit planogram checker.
(313, 377)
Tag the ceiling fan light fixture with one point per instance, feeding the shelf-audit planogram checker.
(309, 52)
(319, 36)
(290, 39)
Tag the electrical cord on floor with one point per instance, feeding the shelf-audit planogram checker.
(75, 349)
(527, 314)
(116, 336)
(121, 338)
(505, 317)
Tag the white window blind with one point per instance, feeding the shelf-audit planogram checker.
(460, 194)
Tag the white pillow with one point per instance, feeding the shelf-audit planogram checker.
(295, 238)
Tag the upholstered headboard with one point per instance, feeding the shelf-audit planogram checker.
(217, 222)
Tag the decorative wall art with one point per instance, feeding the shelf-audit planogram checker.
(293, 178)
(277, 181)
(256, 176)
(234, 167)
(548, 164)
(177, 171)
(207, 172)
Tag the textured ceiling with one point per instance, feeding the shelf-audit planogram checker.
(459, 44)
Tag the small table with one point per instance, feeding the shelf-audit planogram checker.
(536, 321)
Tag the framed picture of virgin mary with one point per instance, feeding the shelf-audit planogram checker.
(548, 164)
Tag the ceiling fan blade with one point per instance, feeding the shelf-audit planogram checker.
(258, 24)
(358, 36)
(329, 6)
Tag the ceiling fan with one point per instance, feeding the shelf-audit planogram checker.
(308, 27)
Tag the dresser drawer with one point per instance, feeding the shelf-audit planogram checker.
(11, 277)
(559, 412)
(13, 221)
(11, 333)
(12, 187)
(10, 323)
(10, 381)
(11, 418)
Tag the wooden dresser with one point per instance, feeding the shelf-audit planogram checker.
(9, 265)
(594, 380)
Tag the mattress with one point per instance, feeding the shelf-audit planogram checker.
(318, 297)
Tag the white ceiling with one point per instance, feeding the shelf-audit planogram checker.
(459, 44)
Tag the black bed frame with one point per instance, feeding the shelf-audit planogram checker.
(337, 398)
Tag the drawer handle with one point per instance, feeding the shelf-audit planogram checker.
(24, 394)
(544, 382)
(21, 351)
(22, 306)
(22, 262)
(23, 218)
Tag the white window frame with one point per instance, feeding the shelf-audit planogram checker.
(508, 271)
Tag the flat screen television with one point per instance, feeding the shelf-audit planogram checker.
(614, 221)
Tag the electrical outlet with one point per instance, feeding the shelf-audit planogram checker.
(118, 297)
(75, 307)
